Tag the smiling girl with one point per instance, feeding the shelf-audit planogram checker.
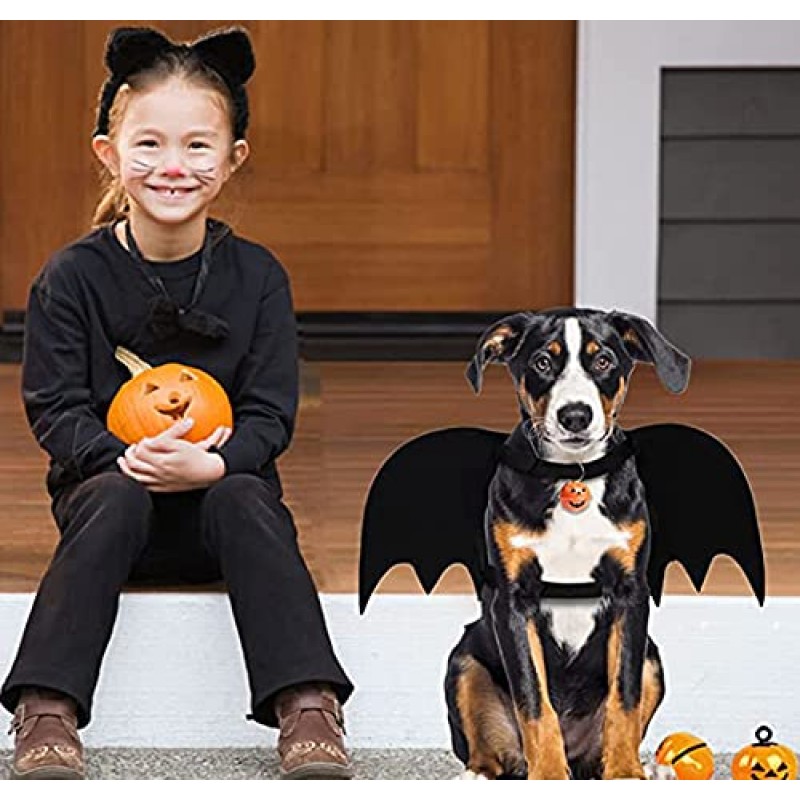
(160, 278)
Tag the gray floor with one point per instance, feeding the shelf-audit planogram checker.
(253, 764)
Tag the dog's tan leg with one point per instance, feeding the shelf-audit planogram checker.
(652, 691)
(623, 726)
(487, 720)
(542, 741)
(523, 658)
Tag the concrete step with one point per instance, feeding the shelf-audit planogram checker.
(262, 764)
(252, 764)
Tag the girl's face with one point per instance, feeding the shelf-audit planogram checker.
(173, 151)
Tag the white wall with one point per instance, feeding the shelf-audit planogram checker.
(174, 677)
(617, 184)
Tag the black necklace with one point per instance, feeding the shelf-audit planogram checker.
(167, 318)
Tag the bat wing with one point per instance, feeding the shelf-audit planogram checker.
(700, 505)
(426, 507)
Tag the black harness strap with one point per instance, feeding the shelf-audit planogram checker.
(591, 590)
(571, 591)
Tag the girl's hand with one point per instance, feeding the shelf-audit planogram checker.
(169, 463)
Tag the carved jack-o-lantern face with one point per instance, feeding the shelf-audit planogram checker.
(765, 760)
(157, 397)
(575, 496)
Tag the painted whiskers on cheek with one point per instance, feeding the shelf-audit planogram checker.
(141, 167)
(203, 175)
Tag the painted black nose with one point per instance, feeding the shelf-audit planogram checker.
(575, 417)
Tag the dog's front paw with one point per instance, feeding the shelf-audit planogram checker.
(634, 772)
(549, 771)
(660, 772)
(469, 775)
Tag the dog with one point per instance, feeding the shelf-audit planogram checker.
(545, 685)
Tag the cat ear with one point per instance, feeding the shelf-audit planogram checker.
(130, 49)
(228, 52)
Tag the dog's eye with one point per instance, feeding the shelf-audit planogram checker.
(542, 363)
(603, 363)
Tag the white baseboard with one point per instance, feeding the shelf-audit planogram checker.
(174, 677)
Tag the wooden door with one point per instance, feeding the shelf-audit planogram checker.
(396, 166)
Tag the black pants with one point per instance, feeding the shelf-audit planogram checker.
(114, 531)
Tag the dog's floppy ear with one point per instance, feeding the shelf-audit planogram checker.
(498, 342)
(644, 343)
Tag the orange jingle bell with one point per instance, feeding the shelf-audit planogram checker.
(765, 760)
(689, 756)
(155, 398)
(575, 496)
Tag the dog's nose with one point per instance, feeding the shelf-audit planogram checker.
(575, 417)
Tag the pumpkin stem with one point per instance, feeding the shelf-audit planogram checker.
(131, 361)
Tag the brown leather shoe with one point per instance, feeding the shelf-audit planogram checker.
(47, 746)
(311, 741)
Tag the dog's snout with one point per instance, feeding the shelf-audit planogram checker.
(575, 417)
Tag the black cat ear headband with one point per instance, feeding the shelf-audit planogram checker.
(130, 50)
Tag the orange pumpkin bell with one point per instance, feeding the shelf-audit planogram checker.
(765, 760)
(575, 496)
(689, 756)
(155, 398)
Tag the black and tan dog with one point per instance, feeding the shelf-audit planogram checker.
(559, 678)
(566, 526)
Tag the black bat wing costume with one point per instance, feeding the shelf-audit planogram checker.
(427, 504)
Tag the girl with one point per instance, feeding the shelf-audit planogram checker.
(160, 278)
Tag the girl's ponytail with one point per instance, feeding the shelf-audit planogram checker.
(113, 204)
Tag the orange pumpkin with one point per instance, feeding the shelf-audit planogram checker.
(575, 496)
(689, 756)
(155, 398)
(765, 760)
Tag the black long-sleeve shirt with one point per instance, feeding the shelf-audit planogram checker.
(92, 296)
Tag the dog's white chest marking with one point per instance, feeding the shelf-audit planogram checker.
(572, 544)
(568, 551)
(572, 621)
